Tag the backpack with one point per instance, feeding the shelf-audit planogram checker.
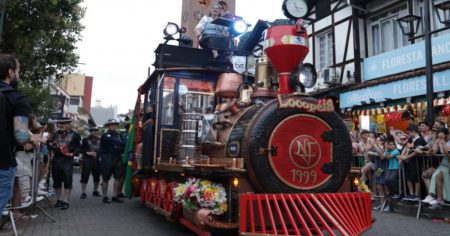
(5, 139)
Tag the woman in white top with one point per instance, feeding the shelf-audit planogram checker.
(205, 30)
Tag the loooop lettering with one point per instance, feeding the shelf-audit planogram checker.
(322, 105)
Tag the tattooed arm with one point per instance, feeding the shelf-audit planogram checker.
(21, 132)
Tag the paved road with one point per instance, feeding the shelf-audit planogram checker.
(406, 224)
(91, 217)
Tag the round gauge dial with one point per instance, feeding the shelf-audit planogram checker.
(295, 9)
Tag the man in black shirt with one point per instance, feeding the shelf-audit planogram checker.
(111, 151)
(65, 144)
(413, 162)
(13, 124)
(91, 162)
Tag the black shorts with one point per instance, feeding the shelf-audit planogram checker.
(90, 164)
(62, 172)
(111, 165)
(391, 181)
(413, 169)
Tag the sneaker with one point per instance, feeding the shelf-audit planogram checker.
(436, 207)
(83, 196)
(436, 202)
(64, 206)
(428, 199)
(27, 199)
(388, 209)
(96, 194)
(415, 198)
(121, 195)
(106, 200)
(394, 197)
(25, 203)
(117, 199)
(408, 197)
(39, 198)
(364, 188)
(377, 208)
(58, 204)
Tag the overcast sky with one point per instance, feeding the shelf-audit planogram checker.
(120, 36)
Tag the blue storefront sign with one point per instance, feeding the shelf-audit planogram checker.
(406, 58)
(411, 87)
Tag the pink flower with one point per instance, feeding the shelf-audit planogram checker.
(189, 191)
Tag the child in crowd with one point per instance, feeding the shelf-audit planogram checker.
(391, 179)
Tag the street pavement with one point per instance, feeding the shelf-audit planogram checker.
(92, 217)
(405, 223)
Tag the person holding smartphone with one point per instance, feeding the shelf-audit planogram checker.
(440, 181)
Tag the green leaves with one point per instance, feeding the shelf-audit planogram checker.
(41, 101)
(43, 35)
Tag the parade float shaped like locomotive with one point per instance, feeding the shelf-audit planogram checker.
(231, 150)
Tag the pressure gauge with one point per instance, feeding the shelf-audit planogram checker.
(295, 9)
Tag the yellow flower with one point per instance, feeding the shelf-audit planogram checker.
(205, 183)
(223, 207)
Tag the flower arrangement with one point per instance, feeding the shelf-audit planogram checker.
(197, 193)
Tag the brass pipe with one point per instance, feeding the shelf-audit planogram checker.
(263, 78)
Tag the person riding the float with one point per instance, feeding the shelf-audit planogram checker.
(111, 151)
(212, 35)
(91, 161)
(65, 145)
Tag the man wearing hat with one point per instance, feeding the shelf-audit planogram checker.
(91, 162)
(111, 150)
(65, 145)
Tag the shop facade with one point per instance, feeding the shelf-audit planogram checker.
(394, 88)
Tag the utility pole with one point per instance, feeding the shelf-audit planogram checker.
(428, 62)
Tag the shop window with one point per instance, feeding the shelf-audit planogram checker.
(167, 111)
(75, 101)
(385, 33)
(325, 48)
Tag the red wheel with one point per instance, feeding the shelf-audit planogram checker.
(159, 192)
(142, 190)
(151, 183)
(168, 203)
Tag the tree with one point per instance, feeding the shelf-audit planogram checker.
(41, 101)
(43, 34)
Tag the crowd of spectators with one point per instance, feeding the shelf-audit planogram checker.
(409, 166)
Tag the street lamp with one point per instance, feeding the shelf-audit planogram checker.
(442, 10)
(427, 38)
(406, 24)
